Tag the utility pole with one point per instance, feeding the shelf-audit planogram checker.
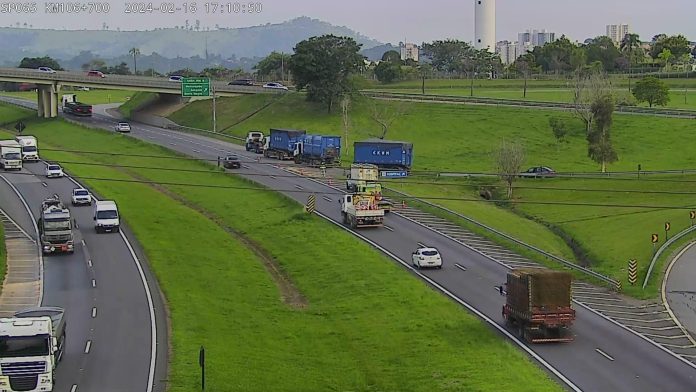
(212, 89)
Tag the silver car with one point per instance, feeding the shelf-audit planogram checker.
(122, 127)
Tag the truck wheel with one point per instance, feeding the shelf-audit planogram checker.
(353, 223)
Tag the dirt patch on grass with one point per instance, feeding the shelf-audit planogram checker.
(289, 294)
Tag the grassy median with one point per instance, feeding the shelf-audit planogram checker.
(345, 317)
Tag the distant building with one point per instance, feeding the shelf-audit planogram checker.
(507, 51)
(617, 32)
(409, 52)
(528, 40)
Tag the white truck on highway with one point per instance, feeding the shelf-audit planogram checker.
(361, 210)
(31, 346)
(10, 155)
(30, 147)
(106, 216)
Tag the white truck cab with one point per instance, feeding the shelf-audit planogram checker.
(106, 218)
(10, 155)
(30, 147)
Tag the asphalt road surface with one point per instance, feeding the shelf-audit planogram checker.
(604, 356)
(108, 343)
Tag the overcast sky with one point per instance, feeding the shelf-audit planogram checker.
(414, 21)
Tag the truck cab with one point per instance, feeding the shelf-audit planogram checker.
(106, 217)
(254, 141)
(30, 149)
(10, 155)
(31, 346)
(55, 227)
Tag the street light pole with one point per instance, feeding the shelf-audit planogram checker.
(212, 89)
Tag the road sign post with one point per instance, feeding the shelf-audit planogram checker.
(311, 204)
(212, 88)
(201, 363)
(20, 127)
(195, 87)
(632, 272)
(655, 238)
(668, 226)
(692, 215)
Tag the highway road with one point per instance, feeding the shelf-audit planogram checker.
(604, 356)
(109, 336)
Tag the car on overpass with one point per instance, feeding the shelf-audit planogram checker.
(275, 86)
(98, 74)
(176, 78)
(46, 70)
(122, 126)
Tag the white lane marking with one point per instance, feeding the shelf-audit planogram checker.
(605, 355)
(83, 243)
(74, 388)
(478, 313)
(273, 177)
(77, 226)
(388, 228)
(245, 166)
(44, 185)
(299, 187)
(89, 262)
(88, 346)
(327, 199)
(196, 151)
(94, 312)
(422, 245)
(172, 144)
(461, 267)
(94, 283)
(36, 230)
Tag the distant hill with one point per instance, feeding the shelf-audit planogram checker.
(238, 43)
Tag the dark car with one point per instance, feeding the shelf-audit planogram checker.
(241, 82)
(231, 162)
(539, 171)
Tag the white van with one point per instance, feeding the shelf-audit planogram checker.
(30, 147)
(106, 216)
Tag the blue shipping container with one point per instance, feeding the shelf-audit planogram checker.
(327, 148)
(384, 153)
(285, 139)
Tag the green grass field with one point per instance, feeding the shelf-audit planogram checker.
(94, 97)
(516, 84)
(462, 138)
(3, 257)
(136, 101)
(366, 323)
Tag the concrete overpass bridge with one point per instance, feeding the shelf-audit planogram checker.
(50, 84)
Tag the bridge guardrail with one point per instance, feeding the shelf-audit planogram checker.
(662, 249)
(612, 282)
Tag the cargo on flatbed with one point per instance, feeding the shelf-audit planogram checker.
(538, 304)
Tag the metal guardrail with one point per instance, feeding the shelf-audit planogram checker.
(662, 249)
(122, 80)
(524, 103)
(614, 283)
(575, 174)
(190, 129)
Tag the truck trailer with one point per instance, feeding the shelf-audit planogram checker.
(10, 155)
(32, 343)
(72, 106)
(538, 304)
(55, 227)
(385, 154)
(282, 143)
(319, 150)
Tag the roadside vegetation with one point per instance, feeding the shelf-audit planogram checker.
(3, 257)
(137, 100)
(461, 138)
(355, 322)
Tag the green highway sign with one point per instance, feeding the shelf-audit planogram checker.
(195, 87)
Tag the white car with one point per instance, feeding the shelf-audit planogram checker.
(176, 78)
(81, 196)
(122, 127)
(45, 69)
(54, 171)
(275, 86)
(427, 258)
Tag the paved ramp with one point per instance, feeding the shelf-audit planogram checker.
(22, 286)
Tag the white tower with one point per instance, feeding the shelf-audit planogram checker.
(484, 36)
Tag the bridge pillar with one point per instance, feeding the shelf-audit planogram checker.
(39, 102)
(53, 100)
